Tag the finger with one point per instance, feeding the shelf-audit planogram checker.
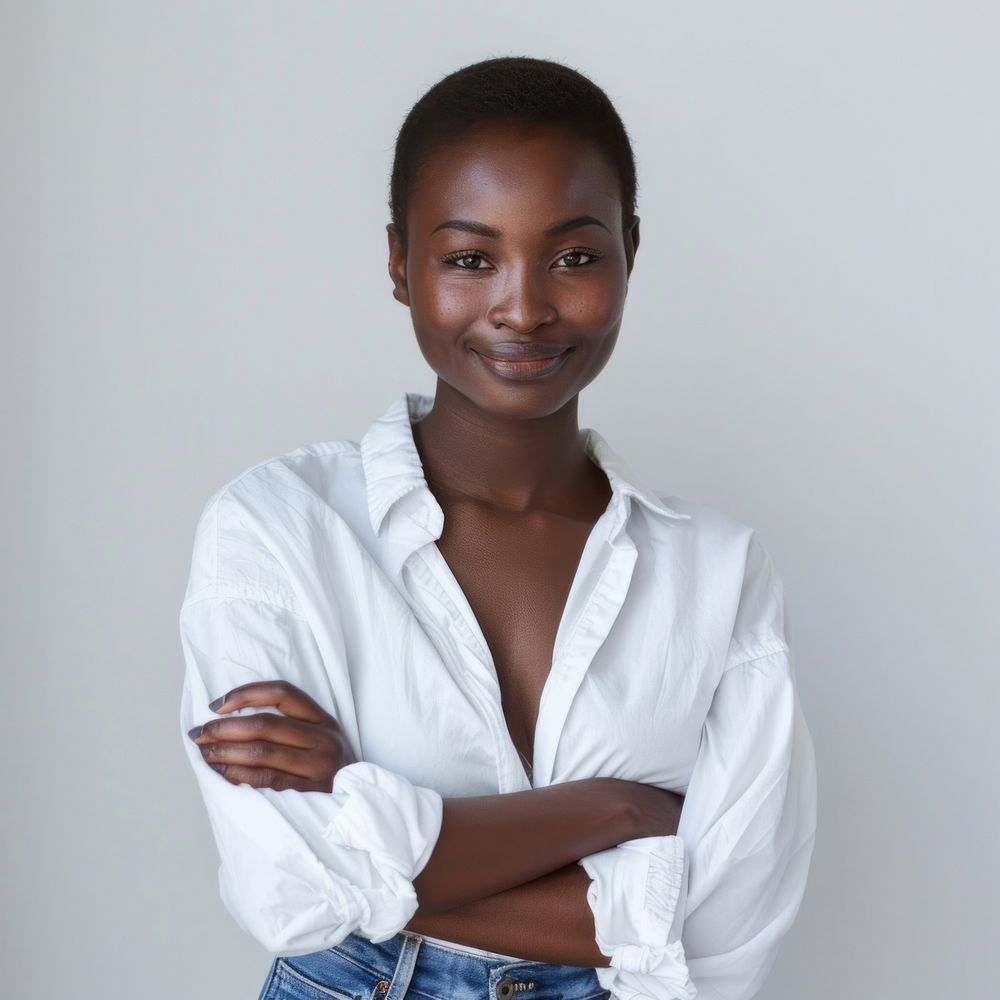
(265, 777)
(293, 701)
(309, 764)
(265, 726)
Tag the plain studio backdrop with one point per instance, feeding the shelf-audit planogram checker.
(194, 279)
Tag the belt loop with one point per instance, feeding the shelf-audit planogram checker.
(405, 965)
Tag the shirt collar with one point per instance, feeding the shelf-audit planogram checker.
(392, 464)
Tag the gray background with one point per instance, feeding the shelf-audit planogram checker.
(194, 279)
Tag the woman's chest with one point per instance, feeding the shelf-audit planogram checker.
(476, 662)
(516, 573)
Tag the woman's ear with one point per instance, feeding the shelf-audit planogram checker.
(397, 266)
(630, 235)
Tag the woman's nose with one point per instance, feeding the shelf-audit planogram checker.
(523, 302)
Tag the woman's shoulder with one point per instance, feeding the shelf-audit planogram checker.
(317, 466)
(734, 560)
(706, 525)
(250, 516)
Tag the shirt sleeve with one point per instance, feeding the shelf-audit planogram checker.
(299, 870)
(703, 913)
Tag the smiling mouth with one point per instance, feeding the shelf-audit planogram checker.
(525, 368)
(514, 351)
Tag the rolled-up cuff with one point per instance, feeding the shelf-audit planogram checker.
(637, 895)
(396, 823)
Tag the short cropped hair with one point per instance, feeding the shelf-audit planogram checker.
(518, 89)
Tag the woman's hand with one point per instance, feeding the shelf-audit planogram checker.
(657, 812)
(302, 749)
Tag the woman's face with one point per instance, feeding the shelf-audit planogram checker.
(515, 238)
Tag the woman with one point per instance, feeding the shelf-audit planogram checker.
(501, 663)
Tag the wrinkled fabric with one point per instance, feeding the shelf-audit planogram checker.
(671, 666)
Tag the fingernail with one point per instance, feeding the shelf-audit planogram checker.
(215, 705)
(218, 767)
(195, 733)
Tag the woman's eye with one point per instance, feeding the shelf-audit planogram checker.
(456, 258)
(580, 253)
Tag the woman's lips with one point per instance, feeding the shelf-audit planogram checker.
(527, 369)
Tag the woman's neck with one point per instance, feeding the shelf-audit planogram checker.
(514, 464)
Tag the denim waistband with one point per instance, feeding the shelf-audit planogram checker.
(408, 965)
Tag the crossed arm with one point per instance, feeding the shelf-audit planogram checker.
(547, 920)
(503, 874)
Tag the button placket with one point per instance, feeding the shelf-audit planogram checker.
(480, 677)
(590, 628)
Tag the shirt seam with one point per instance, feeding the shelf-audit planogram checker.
(218, 582)
(783, 648)
(216, 596)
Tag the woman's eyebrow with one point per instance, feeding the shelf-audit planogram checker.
(489, 232)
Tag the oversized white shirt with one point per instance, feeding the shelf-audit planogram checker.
(671, 666)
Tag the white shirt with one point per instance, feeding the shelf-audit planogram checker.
(671, 666)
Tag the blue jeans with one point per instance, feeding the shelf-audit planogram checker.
(409, 966)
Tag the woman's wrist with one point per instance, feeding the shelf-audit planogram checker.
(614, 799)
(635, 809)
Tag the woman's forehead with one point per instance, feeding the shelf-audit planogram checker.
(545, 169)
